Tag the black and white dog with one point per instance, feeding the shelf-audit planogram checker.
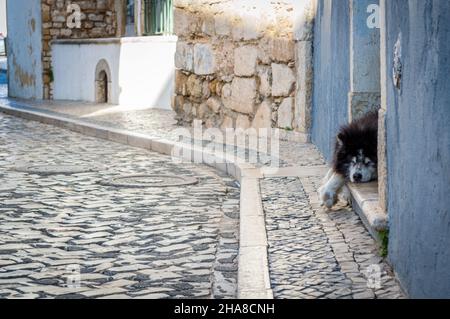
(355, 159)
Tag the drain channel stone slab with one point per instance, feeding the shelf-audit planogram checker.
(144, 181)
(53, 169)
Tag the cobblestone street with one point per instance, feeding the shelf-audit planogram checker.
(151, 242)
(155, 242)
(224, 149)
(316, 254)
(156, 250)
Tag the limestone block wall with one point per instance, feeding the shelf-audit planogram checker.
(98, 20)
(235, 63)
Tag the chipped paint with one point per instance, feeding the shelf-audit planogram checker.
(33, 25)
(25, 49)
(24, 78)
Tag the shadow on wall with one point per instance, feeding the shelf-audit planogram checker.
(147, 71)
(165, 93)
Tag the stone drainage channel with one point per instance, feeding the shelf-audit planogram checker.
(254, 280)
(131, 181)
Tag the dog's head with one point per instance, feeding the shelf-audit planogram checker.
(356, 156)
(362, 168)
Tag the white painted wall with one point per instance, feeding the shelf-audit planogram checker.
(142, 70)
(74, 67)
(3, 28)
(147, 71)
(24, 49)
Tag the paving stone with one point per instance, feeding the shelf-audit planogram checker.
(113, 242)
(310, 253)
(103, 292)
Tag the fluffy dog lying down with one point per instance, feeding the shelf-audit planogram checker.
(355, 159)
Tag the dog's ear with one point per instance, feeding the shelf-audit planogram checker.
(340, 139)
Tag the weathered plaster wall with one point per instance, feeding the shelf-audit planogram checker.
(24, 49)
(236, 63)
(304, 15)
(418, 145)
(98, 20)
(331, 72)
(364, 95)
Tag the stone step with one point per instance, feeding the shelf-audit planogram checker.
(365, 204)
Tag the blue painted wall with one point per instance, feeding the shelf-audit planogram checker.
(331, 73)
(418, 146)
(25, 49)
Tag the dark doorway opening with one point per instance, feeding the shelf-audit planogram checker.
(102, 82)
(102, 88)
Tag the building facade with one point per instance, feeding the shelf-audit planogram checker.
(312, 66)
(394, 56)
(416, 104)
(114, 51)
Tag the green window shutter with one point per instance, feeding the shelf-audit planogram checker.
(158, 17)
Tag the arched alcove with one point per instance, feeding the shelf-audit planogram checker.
(102, 82)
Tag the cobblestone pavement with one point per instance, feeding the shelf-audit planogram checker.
(162, 124)
(155, 122)
(173, 242)
(312, 253)
(317, 254)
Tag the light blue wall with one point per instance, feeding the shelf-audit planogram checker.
(418, 146)
(331, 72)
(24, 49)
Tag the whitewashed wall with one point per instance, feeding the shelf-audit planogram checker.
(147, 71)
(142, 70)
(74, 64)
(3, 28)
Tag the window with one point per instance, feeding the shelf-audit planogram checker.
(130, 11)
(158, 17)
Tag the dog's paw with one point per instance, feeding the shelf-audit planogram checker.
(327, 198)
(345, 196)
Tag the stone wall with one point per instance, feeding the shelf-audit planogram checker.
(235, 63)
(98, 20)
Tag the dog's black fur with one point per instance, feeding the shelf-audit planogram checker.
(360, 134)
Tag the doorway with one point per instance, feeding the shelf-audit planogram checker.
(102, 82)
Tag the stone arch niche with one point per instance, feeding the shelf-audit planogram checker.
(102, 82)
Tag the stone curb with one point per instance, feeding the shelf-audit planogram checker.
(253, 274)
(253, 268)
(365, 204)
